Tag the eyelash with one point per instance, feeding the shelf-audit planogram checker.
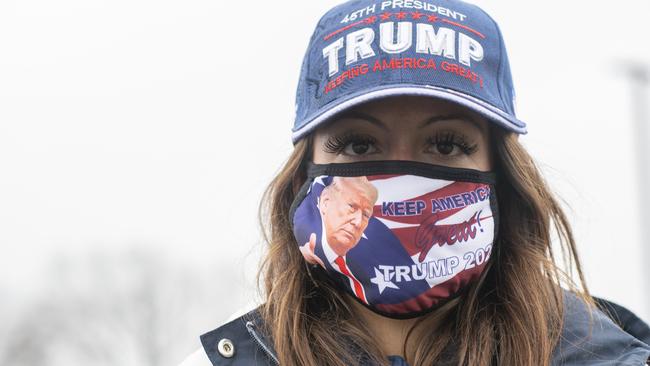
(337, 144)
(452, 138)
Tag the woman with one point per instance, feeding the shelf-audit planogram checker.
(409, 226)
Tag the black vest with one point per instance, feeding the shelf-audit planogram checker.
(607, 343)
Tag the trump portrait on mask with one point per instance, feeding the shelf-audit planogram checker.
(345, 207)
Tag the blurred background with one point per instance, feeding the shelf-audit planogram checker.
(136, 138)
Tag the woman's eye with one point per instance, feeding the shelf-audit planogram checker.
(351, 145)
(449, 144)
(358, 148)
(445, 148)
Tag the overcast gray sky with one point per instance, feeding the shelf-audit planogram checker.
(159, 123)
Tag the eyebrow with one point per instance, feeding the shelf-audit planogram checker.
(459, 116)
(363, 116)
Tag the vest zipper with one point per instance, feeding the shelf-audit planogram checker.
(258, 340)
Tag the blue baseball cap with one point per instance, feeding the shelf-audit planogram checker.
(363, 50)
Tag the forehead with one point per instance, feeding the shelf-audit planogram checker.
(407, 111)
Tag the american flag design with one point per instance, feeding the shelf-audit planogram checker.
(423, 239)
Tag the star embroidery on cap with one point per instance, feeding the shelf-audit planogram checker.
(386, 15)
(381, 282)
(401, 15)
(370, 20)
(416, 15)
(432, 18)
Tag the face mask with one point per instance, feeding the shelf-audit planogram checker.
(401, 237)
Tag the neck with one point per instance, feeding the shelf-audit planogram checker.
(389, 333)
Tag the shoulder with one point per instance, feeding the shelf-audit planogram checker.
(628, 321)
(589, 337)
(238, 342)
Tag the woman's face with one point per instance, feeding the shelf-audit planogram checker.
(406, 128)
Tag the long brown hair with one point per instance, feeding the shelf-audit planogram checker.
(511, 316)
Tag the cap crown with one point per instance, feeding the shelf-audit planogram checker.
(366, 45)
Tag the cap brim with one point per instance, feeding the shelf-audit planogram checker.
(490, 112)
